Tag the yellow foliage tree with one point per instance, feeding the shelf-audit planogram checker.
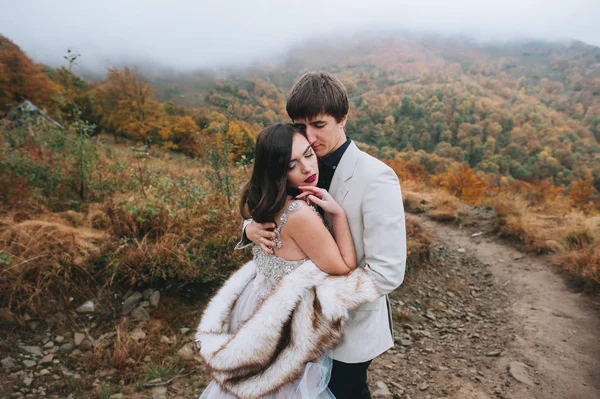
(242, 138)
(463, 183)
(408, 170)
(582, 194)
(185, 135)
(128, 105)
(21, 79)
(545, 192)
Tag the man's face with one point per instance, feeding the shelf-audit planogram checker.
(324, 133)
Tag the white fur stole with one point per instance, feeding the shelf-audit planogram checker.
(297, 322)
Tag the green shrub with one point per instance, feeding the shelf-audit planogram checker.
(55, 166)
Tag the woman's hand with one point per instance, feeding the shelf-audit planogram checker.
(322, 198)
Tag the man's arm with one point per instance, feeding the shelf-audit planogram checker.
(244, 242)
(384, 234)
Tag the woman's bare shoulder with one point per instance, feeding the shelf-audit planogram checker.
(303, 214)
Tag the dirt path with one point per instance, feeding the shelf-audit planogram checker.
(518, 310)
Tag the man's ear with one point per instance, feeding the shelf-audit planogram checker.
(343, 121)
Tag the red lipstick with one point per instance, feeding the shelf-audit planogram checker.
(311, 178)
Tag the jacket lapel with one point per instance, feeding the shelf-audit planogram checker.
(343, 173)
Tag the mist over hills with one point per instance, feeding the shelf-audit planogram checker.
(406, 55)
(527, 109)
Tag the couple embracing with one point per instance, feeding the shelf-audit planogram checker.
(307, 315)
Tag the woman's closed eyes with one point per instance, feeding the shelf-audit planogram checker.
(307, 155)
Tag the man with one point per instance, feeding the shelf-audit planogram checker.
(369, 192)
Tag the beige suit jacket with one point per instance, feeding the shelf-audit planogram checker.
(369, 192)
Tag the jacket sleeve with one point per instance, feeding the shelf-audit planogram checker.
(244, 241)
(384, 233)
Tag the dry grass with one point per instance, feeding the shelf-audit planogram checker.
(416, 196)
(126, 351)
(533, 231)
(46, 255)
(504, 206)
(437, 204)
(584, 263)
(557, 206)
(135, 359)
(548, 226)
(572, 237)
(156, 218)
(580, 251)
(415, 186)
(197, 250)
(415, 202)
(445, 207)
(418, 243)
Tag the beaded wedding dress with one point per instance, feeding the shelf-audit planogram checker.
(270, 269)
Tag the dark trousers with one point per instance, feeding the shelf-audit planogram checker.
(349, 381)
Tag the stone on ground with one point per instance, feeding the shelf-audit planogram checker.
(519, 372)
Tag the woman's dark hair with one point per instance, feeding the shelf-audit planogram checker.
(265, 194)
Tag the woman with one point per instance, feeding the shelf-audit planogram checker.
(265, 333)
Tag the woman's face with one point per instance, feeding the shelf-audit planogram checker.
(303, 169)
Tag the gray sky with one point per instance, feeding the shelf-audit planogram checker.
(196, 33)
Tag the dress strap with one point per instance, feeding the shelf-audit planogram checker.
(292, 207)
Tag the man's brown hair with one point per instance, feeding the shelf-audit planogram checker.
(317, 93)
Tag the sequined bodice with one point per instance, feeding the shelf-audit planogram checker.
(272, 266)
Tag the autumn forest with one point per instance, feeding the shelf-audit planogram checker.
(157, 159)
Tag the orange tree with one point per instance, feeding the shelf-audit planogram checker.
(21, 79)
(128, 106)
(463, 183)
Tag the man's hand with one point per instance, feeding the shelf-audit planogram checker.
(259, 234)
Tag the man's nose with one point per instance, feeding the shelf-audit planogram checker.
(310, 136)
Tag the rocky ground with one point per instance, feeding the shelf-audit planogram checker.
(480, 320)
(451, 327)
(141, 347)
(487, 321)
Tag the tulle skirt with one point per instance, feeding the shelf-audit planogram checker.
(313, 382)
